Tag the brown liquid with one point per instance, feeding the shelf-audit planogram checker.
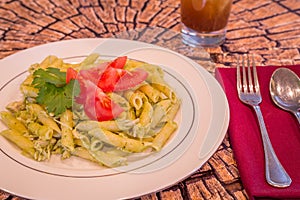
(205, 15)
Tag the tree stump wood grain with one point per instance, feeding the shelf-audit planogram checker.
(269, 29)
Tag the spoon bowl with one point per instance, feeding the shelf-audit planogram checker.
(285, 90)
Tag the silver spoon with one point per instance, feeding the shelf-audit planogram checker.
(285, 90)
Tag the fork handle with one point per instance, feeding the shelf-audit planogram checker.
(275, 173)
(297, 114)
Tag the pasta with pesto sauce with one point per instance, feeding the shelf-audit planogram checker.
(145, 123)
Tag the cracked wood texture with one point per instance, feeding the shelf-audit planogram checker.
(268, 28)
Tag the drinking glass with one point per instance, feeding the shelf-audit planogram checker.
(204, 21)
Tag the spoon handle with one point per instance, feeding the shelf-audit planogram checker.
(297, 114)
(275, 173)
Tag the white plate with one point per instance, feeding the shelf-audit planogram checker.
(203, 119)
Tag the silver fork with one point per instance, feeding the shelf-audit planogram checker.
(249, 93)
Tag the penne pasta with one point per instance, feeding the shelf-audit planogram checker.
(41, 131)
(146, 115)
(96, 144)
(111, 138)
(20, 140)
(15, 106)
(107, 159)
(56, 63)
(166, 90)
(131, 114)
(89, 61)
(67, 140)
(150, 92)
(113, 126)
(146, 122)
(160, 112)
(137, 99)
(163, 135)
(173, 110)
(83, 153)
(12, 123)
(43, 117)
(48, 61)
(28, 80)
(29, 91)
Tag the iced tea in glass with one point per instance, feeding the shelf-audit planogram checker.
(204, 21)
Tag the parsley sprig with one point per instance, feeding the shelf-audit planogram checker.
(54, 93)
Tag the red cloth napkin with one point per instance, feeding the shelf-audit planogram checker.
(244, 135)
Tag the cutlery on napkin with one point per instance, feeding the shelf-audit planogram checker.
(246, 141)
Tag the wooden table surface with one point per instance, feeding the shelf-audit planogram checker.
(268, 28)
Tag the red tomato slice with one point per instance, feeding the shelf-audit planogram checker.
(106, 109)
(71, 74)
(98, 106)
(93, 74)
(131, 79)
(119, 62)
(106, 77)
(109, 78)
(81, 99)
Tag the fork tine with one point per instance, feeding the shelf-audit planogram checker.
(244, 76)
(238, 75)
(250, 83)
(256, 84)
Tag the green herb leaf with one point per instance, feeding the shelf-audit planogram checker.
(54, 93)
(49, 75)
